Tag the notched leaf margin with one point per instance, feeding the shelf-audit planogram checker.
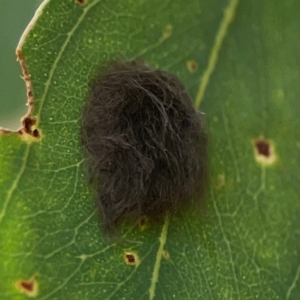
(28, 130)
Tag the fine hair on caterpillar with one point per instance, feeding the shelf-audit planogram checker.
(145, 143)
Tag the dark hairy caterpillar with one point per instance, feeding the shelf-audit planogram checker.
(145, 143)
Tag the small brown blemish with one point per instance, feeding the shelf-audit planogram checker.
(28, 287)
(28, 128)
(166, 255)
(220, 181)
(131, 258)
(264, 151)
(263, 148)
(192, 65)
(36, 133)
(143, 222)
(27, 123)
(167, 31)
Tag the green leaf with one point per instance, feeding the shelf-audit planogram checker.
(241, 62)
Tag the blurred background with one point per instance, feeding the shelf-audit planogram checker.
(14, 17)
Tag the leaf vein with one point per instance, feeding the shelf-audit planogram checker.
(162, 240)
(229, 14)
(14, 184)
(293, 285)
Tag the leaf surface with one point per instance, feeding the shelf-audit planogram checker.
(241, 62)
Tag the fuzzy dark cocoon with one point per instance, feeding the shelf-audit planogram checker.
(145, 143)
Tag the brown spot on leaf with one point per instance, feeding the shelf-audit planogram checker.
(166, 255)
(36, 133)
(264, 151)
(192, 65)
(131, 258)
(27, 123)
(167, 31)
(28, 287)
(143, 222)
(81, 2)
(28, 127)
(263, 148)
